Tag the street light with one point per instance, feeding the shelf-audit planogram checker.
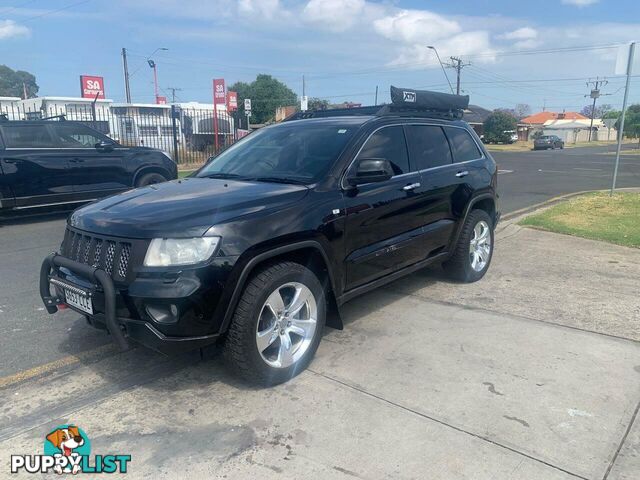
(441, 65)
(152, 64)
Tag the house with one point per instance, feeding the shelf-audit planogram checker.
(284, 112)
(528, 125)
(94, 113)
(475, 116)
(572, 131)
(9, 107)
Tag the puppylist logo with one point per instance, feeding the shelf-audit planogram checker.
(67, 449)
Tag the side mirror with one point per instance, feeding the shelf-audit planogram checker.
(104, 146)
(370, 170)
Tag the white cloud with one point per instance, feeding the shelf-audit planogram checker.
(415, 29)
(266, 9)
(580, 3)
(525, 38)
(335, 15)
(10, 29)
(412, 26)
(524, 33)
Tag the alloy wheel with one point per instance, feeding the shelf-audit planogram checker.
(480, 246)
(286, 325)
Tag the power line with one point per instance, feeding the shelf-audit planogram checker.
(51, 12)
(11, 9)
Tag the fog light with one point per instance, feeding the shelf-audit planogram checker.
(163, 313)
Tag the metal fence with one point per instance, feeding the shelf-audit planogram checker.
(185, 133)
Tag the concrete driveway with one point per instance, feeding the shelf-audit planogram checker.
(418, 385)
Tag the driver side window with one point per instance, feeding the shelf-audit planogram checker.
(387, 143)
(76, 136)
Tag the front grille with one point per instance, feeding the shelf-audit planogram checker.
(117, 256)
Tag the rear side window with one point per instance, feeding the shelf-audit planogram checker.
(388, 143)
(27, 136)
(75, 136)
(428, 146)
(463, 146)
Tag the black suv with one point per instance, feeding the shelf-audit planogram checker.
(262, 245)
(47, 162)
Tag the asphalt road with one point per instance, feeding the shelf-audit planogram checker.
(32, 338)
(528, 178)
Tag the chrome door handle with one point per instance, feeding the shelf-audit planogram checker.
(412, 186)
(462, 173)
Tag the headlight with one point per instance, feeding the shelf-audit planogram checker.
(165, 252)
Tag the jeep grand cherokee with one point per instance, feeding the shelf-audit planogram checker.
(261, 246)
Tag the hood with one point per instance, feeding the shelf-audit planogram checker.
(182, 208)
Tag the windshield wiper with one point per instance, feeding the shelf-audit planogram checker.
(222, 175)
(281, 180)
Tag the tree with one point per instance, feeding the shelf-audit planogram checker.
(318, 104)
(522, 110)
(612, 114)
(13, 83)
(266, 94)
(632, 122)
(598, 112)
(497, 124)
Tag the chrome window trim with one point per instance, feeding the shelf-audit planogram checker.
(62, 148)
(482, 156)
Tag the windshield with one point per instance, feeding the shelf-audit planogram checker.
(297, 153)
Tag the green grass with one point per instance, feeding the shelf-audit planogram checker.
(596, 216)
(184, 173)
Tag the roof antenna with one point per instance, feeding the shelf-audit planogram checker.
(442, 66)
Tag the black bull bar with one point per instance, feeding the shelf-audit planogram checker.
(96, 275)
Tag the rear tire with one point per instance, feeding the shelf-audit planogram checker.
(473, 252)
(268, 341)
(150, 179)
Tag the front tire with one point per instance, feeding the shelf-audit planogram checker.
(277, 324)
(473, 252)
(150, 179)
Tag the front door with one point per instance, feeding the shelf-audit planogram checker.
(93, 169)
(383, 219)
(35, 169)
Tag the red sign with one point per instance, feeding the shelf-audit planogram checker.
(232, 101)
(161, 100)
(91, 86)
(219, 94)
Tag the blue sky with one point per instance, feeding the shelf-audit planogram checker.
(344, 47)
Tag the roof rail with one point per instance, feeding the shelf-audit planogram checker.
(405, 102)
(60, 117)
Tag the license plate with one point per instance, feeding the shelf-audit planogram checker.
(81, 302)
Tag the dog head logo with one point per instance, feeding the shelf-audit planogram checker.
(67, 441)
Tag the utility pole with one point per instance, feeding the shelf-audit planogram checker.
(376, 101)
(595, 94)
(125, 68)
(173, 93)
(457, 65)
(304, 89)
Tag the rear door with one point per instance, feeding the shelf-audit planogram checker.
(93, 170)
(383, 219)
(468, 172)
(35, 169)
(430, 152)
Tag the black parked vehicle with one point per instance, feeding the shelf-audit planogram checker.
(546, 142)
(48, 162)
(263, 244)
